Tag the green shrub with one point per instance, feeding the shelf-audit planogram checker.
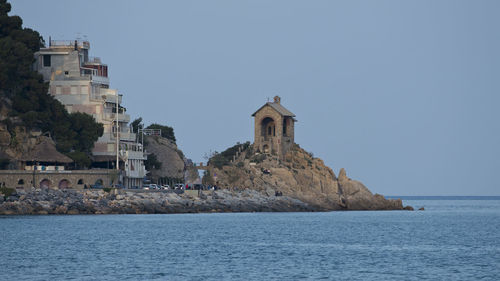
(107, 189)
(259, 158)
(6, 191)
(224, 158)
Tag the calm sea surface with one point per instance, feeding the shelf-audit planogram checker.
(452, 239)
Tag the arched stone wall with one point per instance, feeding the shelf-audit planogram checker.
(64, 184)
(45, 183)
(77, 179)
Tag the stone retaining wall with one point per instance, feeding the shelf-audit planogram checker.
(75, 179)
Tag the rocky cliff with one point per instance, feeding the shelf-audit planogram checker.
(301, 176)
(16, 144)
(174, 165)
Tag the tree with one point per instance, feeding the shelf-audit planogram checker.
(87, 130)
(135, 124)
(25, 94)
(82, 159)
(166, 131)
(17, 46)
(152, 162)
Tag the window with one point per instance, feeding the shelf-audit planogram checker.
(46, 60)
(269, 130)
(80, 181)
(21, 181)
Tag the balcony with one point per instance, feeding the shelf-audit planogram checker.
(96, 79)
(138, 173)
(124, 136)
(109, 95)
(122, 117)
(93, 75)
(132, 155)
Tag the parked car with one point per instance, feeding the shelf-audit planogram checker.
(166, 187)
(119, 186)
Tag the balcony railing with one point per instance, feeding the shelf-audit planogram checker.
(124, 136)
(121, 117)
(94, 60)
(80, 43)
(109, 95)
(99, 79)
(140, 173)
(111, 137)
(137, 155)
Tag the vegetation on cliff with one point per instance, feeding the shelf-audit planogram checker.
(166, 131)
(24, 98)
(219, 159)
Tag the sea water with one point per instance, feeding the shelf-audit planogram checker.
(450, 240)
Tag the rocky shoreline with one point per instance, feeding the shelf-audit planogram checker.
(74, 202)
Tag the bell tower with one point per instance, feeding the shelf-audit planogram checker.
(274, 128)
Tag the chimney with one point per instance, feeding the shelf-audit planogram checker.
(277, 99)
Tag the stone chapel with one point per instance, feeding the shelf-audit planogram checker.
(274, 128)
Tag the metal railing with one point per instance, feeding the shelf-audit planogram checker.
(80, 43)
(94, 60)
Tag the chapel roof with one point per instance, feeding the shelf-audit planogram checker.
(276, 105)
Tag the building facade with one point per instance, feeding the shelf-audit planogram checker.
(81, 83)
(274, 128)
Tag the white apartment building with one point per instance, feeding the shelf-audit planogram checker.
(81, 84)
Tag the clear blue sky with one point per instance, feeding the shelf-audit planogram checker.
(403, 94)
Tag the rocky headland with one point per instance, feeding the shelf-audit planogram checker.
(249, 182)
(299, 175)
